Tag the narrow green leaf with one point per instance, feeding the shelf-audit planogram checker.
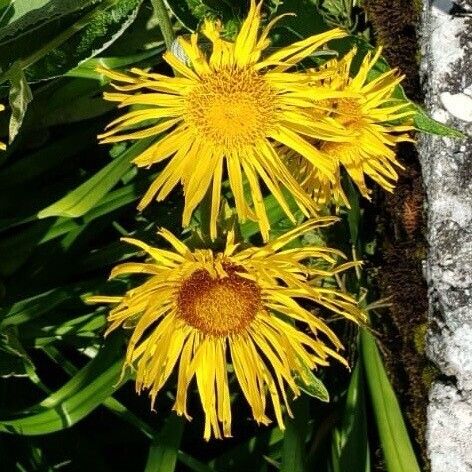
(250, 453)
(350, 446)
(14, 361)
(38, 164)
(4, 3)
(293, 448)
(87, 69)
(162, 14)
(19, 97)
(311, 384)
(164, 449)
(354, 213)
(33, 307)
(394, 438)
(193, 464)
(75, 400)
(425, 123)
(38, 28)
(83, 198)
(110, 403)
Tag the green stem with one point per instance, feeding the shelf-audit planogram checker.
(164, 21)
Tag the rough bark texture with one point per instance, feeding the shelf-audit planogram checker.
(402, 246)
(446, 64)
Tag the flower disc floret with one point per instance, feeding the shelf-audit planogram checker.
(233, 109)
(218, 305)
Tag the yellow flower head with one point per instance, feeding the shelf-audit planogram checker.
(2, 145)
(377, 118)
(222, 115)
(199, 309)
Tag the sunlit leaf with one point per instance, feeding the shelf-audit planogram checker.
(83, 198)
(20, 96)
(76, 399)
(394, 438)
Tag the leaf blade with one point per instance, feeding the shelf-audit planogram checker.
(394, 438)
(164, 449)
(72, 402)
(78, 202)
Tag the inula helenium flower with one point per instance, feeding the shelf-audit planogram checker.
(222, 115)
(379, 121)
(2, 146)
(252, 307)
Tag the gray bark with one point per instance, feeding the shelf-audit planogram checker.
(446, 69)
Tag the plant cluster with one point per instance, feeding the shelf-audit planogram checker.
(258, 137)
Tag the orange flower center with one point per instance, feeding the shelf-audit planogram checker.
(218, 305)
(349, 112)
(231, 107)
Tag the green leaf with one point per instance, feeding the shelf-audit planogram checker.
(350, 446)
(250, 453)
(191, 12)
(421, 120)
(19, 97)
(394, 439)
(38, 9)
(38, 164)
(84, 198)
(143, 35)
(72, 32)
(425, 123)
(75, 400)
(188, 12)
(305, 20)
(16, 248)
(98, 30)
(164, 449)
(3, 5)
(38, 20)
(14, 361)
(34, 307)
(193, 464)
(353, 213)
(87, 69)
(311, 384)
(293, 448)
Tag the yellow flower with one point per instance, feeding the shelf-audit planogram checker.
(222, 114)
(198, 309)
(323, 191)
(379, 120)
(2, 146)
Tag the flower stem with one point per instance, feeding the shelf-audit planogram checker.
(162, 14)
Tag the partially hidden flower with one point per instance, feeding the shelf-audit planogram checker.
(2, 145)
(257, 308)
(223, 114)
(378, 119)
